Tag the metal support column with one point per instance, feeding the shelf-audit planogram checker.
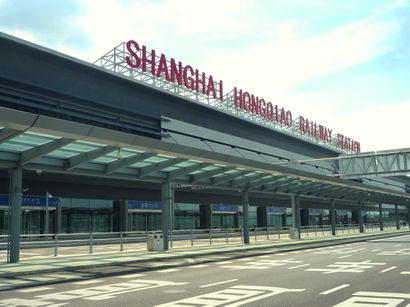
(46, 226)
(166, 196)
(245, 204)
(396, 215)
(15, 198)
(295, 200)
(381, 217)
(361, 226)
(408, 216)
(333, 217)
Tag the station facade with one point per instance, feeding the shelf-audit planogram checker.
(138, 141)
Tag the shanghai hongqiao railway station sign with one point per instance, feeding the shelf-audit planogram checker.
(156, 69)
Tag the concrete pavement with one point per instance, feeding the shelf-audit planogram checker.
(190, 254)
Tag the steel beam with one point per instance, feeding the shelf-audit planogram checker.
(156, 167)
(8, 134)
(186, 170)
(222, 179)
(39, 151)
(123, 163)
(208, 174)
(83, 158)
(248, 180)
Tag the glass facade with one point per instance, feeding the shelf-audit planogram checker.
(90, 215)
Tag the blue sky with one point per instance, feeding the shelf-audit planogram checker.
(342, 63)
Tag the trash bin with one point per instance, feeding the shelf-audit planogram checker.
(294, 233)
(155, 242)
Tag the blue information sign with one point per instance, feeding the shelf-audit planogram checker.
(32, 201)
(144, 205)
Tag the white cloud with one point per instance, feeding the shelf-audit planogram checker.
(379, 128)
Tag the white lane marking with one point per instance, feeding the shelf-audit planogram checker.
(397, 245)
(168, 270)
(218, 283)
(235, 296)
(200, 266)
(341, 257)
(376, 250)
(265, 256)
(382, 294)
(132, 275)
(87, 282)
(37, 289)
(225, 262)
(245, 259)
(388, 269)
(334, 289)
(296, 252)
(405, 273)
(298, 266)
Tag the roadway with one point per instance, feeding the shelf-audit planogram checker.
(372, 273)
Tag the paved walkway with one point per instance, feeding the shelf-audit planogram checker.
(188, 255)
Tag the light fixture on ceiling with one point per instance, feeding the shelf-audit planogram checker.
(119, 155)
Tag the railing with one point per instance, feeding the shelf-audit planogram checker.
(178, 238)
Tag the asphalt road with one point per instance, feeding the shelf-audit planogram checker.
(373, 273)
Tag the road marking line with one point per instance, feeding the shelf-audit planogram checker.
(397, 245)
(200, 266)
(388, 269)
(376, 250)
(298, 266)
(225, 262)
(405, 273)
(87, 282)
(132, 275)
(218, 283)
(341, 257)
(296, 252)
(168, 270)
(37, 289)
(335, 289)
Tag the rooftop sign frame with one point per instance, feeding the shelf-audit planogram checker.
(153, 69)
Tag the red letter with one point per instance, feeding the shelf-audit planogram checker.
(302, 124)
(145, 60)
(247, 101)
(221, 91)
(255, 104)
(162, 66)
(238, 100)
(188, 80)
(269, 111)
(262, 105)
(211, 87)
(133, 54)
(176, 72)
(289, 120)
(202, 81)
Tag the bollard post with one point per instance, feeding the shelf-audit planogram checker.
(171, 238)
(226, 235)
(55, 245)
(192, 237)
(278, 233)
(256, 239)
(267, 233)
(210, 236)
(91, 243)
(241, 234)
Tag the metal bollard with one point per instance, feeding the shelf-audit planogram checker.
(242, 235)
(210, 236)
(278, 233)
(170, 238)
(267, 233)
(55, 245)
(91, 243)
(226, 236)
(256, 239)
(121, 242)
(192, 237)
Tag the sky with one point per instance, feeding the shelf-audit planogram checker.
(342, 63)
